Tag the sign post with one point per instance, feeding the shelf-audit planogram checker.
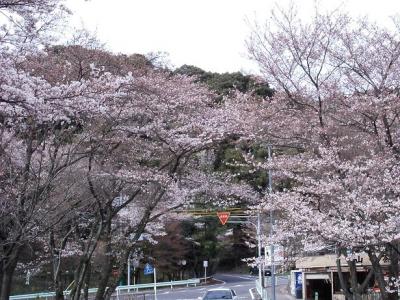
(131, 263)
(223, 216)
(129, 272)
(155, 284)
(148, 269)
(135, 265)
(28, 277)
(205, 265)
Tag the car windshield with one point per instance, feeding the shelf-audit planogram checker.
(218, 295)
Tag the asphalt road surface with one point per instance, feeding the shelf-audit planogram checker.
(240, 283)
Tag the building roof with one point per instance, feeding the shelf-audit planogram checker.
(329, 261)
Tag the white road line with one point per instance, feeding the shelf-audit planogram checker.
(239, 276)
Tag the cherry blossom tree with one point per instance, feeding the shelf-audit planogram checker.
(335, 121)
(39, 142)
(39, 125)
(148, 145)
(71, 113)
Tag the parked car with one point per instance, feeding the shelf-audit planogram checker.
(219, 294)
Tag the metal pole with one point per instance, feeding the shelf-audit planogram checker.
(155, 284)
(129, 271)
(265, 262)
(259, 252)
(205, 275)
(180, 268)
(271, 215)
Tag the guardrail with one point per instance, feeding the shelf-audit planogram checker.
(33, 296)
(119, 290)
(171, 284)
(259, 287)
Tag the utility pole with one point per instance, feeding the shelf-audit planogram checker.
(129, 271)
(271, 216)
(259, 253)
(155, 283)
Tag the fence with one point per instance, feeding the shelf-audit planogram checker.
(134, 296)
(123, 292)
(371, 296)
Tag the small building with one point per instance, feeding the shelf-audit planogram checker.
(320, 275)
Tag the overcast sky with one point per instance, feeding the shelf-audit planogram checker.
(209, 34)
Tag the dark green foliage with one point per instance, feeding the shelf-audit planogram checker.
(229, 158)
(170, 250)
(185, 240)
(225, 83)
(188, 70)
(234, 248)
(211, 242)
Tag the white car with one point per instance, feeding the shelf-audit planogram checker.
(219, 294)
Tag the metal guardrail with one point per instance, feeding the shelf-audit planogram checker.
(44, 295)
(259, 287)
(171, 284)
(119, 290)
(33, 296)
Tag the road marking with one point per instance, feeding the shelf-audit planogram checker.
(239, 276)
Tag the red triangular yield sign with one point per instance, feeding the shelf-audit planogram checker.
(223, 216)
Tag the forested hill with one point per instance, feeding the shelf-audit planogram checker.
(225, 83)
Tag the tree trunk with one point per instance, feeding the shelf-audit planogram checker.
(87, 283)
(375, 261)
(122, 264)
(105, 276)
(343, 283)
(6, 284)
(59, 288)
(1, 273)
(354, 280)
(121, 268)
(80, 273)
(106, 269)
(56, 257)
(7, 273)
(59, 293)
(111, 289)
(103, 292)
(394, 266)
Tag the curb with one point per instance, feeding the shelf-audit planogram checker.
(254, 294)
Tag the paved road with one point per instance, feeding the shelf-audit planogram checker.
(240, 283)
(281, 291)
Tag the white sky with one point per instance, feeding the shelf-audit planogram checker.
(209, 34)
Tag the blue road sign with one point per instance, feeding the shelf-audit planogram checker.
(299, 280)
(148, 269)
